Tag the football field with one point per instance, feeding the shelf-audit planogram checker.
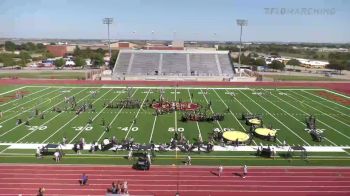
(283, 109)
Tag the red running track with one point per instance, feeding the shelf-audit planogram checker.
(166, 181)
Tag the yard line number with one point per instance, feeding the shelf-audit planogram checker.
(224, 129)
(83, 128)
(37, 128)
(126, 129)
(179, 129)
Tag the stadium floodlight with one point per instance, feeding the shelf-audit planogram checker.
(241, 23)
(108, 21)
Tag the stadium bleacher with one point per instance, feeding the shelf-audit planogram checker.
(160, 63)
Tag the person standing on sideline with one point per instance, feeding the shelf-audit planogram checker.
(149, 158)
(130, 155)
(188, 162)
(221, 169)
(57, 156)
(245, 171)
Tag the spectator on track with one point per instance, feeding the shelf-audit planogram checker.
(41, 191)
(221, 169)
(245, 171)
(84, 180)
(125, 187)
(113, 189)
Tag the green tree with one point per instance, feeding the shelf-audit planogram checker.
(101, 51)
(294, 62)
(25, 58)
(77, 51)
(113, 59)
(338, 65)
(30, 46)
(7, 60)
(48, 55)
(277, 65)
(260, 62)
(79, 61)
(40, 47)
(97, 60)
(10, 46)
(59, 62)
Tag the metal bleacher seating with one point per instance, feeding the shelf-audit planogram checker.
(173, 63)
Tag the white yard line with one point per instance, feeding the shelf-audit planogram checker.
(321, 111)
(324, 123)
(329, 100)
(14, 100)
(51, 118)
(199, 130)
(126, 136)
(115, 117)
(69, 120)
(324, 104)
(304, 113)
(175, 119)
(21, 113)
(93, 117)
(211, 110)
(154, 124)
(342, 95)
(232, 113)
(40, 125)
(276, 119)
(12, 90)
(31, 107)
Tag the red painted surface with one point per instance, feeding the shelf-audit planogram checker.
(343, 87)
(166, 181)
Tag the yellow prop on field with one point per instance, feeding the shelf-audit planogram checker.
(265, 131)
(234, 135)
(254, 121)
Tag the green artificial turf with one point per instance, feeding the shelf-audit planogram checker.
(286, 112)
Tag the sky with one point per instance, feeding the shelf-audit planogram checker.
(268, 20)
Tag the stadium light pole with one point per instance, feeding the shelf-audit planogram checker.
(108, 21)
(241, 23)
